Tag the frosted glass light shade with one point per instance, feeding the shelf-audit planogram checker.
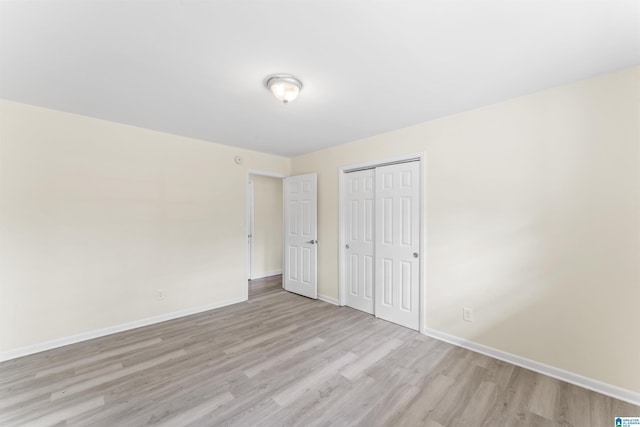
(284, 87)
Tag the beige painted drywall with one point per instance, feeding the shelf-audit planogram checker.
(267, 232)
(95, 217)
(532, 219)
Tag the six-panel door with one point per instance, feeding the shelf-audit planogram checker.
(397, 243)
(300, 240)
(359, 243)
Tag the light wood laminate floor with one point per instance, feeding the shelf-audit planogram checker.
(281, 359)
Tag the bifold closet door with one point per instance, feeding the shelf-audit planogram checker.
(359, 240)
(397, 247)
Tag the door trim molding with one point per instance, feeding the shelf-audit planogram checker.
(265, 173)
(328, 299)
(419, 157)
(249, 225)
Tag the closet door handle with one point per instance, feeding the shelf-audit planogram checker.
(415, 254)
(313, 242)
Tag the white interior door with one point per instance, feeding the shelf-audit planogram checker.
(301, 234)
(359, 240)
(397, 236)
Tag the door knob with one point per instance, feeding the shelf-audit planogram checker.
(346, 246)
(313, 242)
(415, 254)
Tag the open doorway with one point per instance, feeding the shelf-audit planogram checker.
(264, 231)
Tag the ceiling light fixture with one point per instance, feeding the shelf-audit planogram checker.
(284, 87)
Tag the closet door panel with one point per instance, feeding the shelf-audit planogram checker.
(359, 240)
(397, 236)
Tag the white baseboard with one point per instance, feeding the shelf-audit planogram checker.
(330, 300)
(60, 342)
(266, 274)
(576, 379)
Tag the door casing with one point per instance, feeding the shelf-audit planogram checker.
(250, 225)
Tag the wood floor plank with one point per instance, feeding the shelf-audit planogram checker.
(259, 339)
(425, 402)
(544, 398)
(397, 393)
(197, 412)
(356, 368)
(573, 406)
(99, 356)
(287, 396)
(512, 400)
(61, 415)
(102, 379)
(22, 398)
(482, 401)
(392, 406)
(459, 395)
(316, 406)
(280, 359)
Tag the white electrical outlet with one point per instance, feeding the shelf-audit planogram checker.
(159, 294)
(467, 314)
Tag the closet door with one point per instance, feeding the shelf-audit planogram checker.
(359, 240)
(397, 237)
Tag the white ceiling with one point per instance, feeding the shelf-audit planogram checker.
(196, 68)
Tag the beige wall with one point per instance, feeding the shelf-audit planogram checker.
(267, 232)
(533, 220)
(95, 217)
(532, 214)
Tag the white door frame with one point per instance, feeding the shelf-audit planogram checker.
(248, 206)
(342, 211)
(250, 226)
